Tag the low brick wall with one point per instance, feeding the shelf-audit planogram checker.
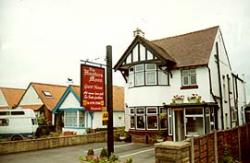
(47, 143)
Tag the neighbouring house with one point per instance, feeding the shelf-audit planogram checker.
(9, 97)
(42, 98)
(180, 86)
(70, 116)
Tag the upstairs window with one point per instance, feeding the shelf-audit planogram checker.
(147, 74)
(188, 77)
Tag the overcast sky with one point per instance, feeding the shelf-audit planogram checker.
(44, 40)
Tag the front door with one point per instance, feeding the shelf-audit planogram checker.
(179, 133)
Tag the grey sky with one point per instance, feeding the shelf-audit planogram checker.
(44, 40)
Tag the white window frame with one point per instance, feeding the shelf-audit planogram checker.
(152, 115)
(140, 114)
(130, 115)
(188, 75)
(193, 116)
(160, 112)
(142, 71)
(170, 121)
(153, 71)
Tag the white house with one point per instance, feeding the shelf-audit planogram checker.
(181, 85)
(70, 116)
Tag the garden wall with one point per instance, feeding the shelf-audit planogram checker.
(47, 143)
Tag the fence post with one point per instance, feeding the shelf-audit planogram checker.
(192, 150)
(215, 147)
(239, 135)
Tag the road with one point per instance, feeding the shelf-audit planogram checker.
(138, 152)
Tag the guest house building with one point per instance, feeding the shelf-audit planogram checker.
(180, 86)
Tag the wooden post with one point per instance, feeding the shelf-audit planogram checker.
(192, 150)
(215, 147)
(110, 101)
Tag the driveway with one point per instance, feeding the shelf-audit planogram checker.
(138, 152)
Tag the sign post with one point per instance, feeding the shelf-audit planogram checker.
(110, 101)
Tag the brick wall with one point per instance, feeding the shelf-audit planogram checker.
(46, 143)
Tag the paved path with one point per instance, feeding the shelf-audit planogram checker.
(138, 152)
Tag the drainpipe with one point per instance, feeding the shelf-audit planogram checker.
(214, 97)
(219, 81)
(229, 100)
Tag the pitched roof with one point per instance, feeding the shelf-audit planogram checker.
(186, 50)
(56, 92)
(118, 96)
(12, 95)
(191, 49)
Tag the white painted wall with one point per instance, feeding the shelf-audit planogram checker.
(70, 102)
(225, 70)
(241, 102)
(3, 102)
(80, 131)
(156, 95)
(118, 120)
(31, 98)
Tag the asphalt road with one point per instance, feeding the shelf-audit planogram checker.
(138, 152)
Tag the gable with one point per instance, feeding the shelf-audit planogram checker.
(139, 53)
(142, 50)
(70, 101)
(30, 97)
(3, 102)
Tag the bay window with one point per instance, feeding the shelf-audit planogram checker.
(70, 119)
(147, 74)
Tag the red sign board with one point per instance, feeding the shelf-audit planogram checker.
(92, 87)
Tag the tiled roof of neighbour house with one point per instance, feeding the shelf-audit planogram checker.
(50, 94)
(118, 96)
(191, 49)
(12, 95)
(186, 50)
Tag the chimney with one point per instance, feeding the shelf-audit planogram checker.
(138, 32)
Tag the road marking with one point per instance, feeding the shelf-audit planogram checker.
(116, 146)
(147, 150)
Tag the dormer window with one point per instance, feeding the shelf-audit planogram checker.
(47, 93)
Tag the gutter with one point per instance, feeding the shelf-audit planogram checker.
(219, 80)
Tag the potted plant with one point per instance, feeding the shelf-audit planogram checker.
(159, 137)
(122, 135)
(178, 99)
(194, 98)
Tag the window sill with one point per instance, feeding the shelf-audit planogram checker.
(190, 87)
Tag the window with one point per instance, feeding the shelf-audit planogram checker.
(4, 113)
(163, 118)
(150, 74)
(47, 93)
(152, 118)
(81, 119)
(188, 77)
(194, 121)
(139, 74)
(17, 112)
(4, 122)
(70, 119)
(147, 74)
(170, 121)
(132, 118)
(140, 118)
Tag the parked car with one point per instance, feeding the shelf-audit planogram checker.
(17, 124)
